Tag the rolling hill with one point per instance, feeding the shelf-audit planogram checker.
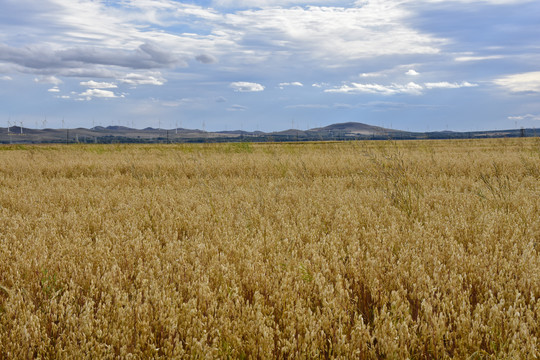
(338, 131)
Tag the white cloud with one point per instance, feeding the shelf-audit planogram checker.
(372, 74)
(411, 88)
(242, 86)
(524, 117)
(447, 85)
(97, 93)
(6, 78)
(295, 83)
(320, 85)
(412, 72)
(337, 33)
(477, 58)
(521, 83)
(134, 79)
(187, 10)
(237, 108)
(98, 85)
(48, 80)
(54, 90)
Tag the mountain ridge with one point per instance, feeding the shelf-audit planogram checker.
(336, 131)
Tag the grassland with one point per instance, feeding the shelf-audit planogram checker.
(368, 250)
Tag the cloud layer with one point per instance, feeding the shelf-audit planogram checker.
(448, 85)
(521, 83)
(392, 89)
(97, 36)
(289, 58)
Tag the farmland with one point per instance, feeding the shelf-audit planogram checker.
(418, 249)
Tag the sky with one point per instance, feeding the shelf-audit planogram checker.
(269, 65)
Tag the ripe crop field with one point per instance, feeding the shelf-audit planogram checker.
(420, 249)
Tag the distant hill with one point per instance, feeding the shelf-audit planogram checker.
(339, 131)
(355, 128)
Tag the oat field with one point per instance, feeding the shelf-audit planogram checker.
(420, 250)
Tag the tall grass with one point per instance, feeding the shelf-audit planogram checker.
(352, 250)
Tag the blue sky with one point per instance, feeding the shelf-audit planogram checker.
(270, 64)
